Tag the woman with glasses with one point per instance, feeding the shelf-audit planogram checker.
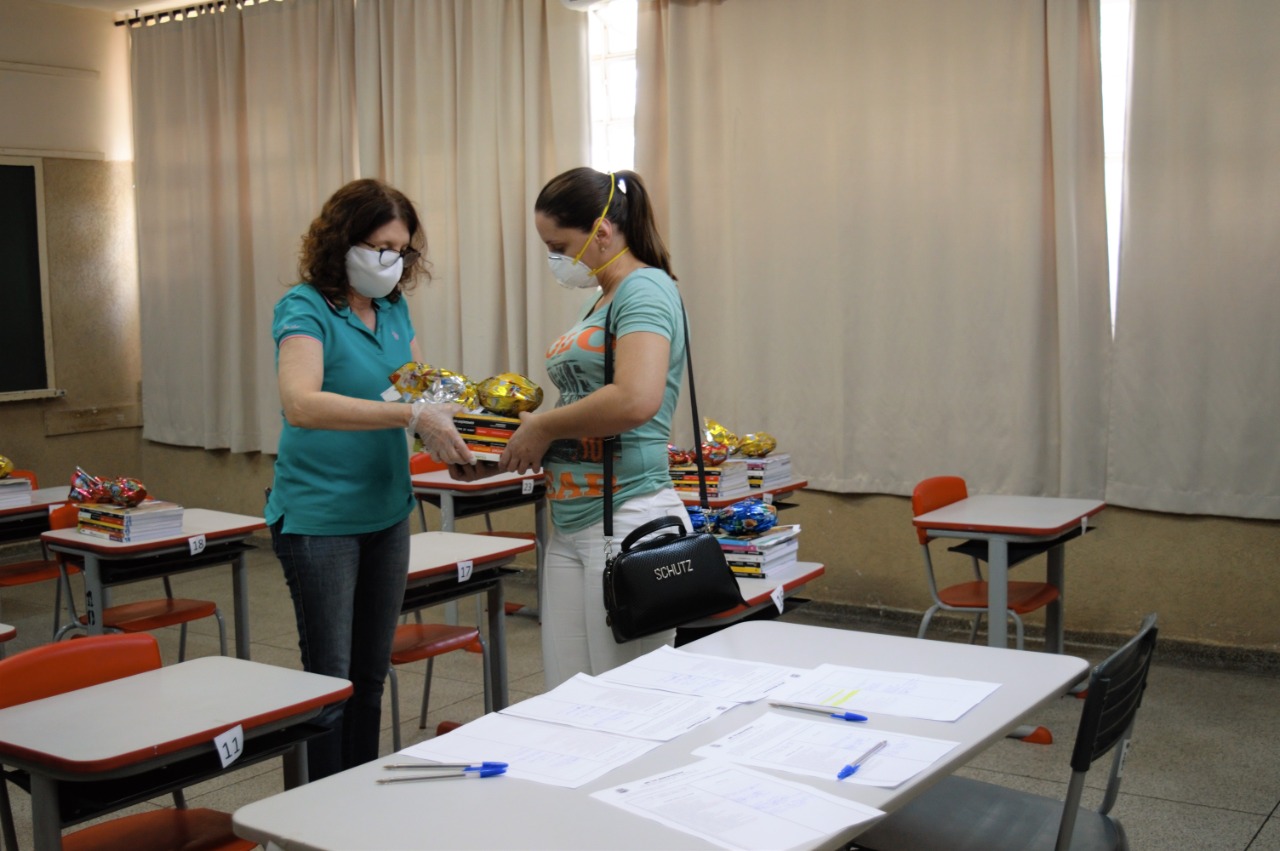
(338, 508)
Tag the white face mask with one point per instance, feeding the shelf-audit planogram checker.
(368, 276)
(570, 273)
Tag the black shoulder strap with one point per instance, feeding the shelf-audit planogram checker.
(610, 442)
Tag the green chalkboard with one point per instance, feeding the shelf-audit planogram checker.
(21, 305)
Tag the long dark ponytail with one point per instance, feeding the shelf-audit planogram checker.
(576, 198)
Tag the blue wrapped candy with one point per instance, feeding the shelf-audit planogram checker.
(703, 519)
(748, 517)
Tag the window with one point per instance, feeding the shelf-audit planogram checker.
(24, 282)
(612, 40)
(1116, 35)
(611, 37)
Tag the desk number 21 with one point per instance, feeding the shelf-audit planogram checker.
(230, 745)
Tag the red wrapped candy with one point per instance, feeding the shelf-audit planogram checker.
(87, 488)
(677, 457)
(123, 491)
(715, 454)
(127, 492)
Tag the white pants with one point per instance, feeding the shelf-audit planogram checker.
(575, 638)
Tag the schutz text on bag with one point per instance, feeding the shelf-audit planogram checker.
(666, 571)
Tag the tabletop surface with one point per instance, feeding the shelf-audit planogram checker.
(213, 525)
(41, 499)
(439, 552)
(440, 480)
(133, 719)
(757, 590)
(503, 812)
(1036, 515)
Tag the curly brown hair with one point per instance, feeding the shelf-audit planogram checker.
(350, 216)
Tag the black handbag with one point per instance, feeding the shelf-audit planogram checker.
(658, 583)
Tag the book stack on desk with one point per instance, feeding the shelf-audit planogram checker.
(725, 481)
(152, 518)
(761, 555)
(486, 435)
(769, 471)
(15, 492)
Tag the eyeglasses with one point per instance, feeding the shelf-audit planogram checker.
(387, 257)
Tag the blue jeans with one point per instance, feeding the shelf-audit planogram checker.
(347, 592)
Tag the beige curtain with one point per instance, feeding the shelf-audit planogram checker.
(470, 108)
(1197, 365)
(248, 120)
(242, 128)
(888, 223)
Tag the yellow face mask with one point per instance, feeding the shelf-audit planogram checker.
(570, 272)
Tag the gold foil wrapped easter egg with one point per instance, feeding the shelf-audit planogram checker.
(509, 394)
(412, 380)
(6, 467)
(758, 444)
(713, 432)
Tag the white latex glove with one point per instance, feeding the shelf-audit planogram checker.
(433, 422)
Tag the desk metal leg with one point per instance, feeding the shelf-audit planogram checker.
(998, 593)
(446, 525)
(46, 822)
(240, 602)
(498, 645)
(542, 531)
(95, 601)
(1055, 575)
(295, 766)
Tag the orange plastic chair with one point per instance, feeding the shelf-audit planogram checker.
(66, 666)
(146, 615)
(29, 475)
(46, 567)
(7, 633)
(414, 642)
(971, 597)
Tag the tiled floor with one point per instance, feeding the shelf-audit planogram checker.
(1204, 772)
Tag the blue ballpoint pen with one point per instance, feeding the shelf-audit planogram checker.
(853, 767)
(462, 766)
(464, 773)
(832, 711)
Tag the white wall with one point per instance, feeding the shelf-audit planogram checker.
(64, 82)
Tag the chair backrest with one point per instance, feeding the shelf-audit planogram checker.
(932, 494)
(1115, 693)
(64, 516)
(79, 663)
(422, 462)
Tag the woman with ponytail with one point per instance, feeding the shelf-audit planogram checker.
(601, 237)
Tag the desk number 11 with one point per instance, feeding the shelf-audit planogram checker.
(230, 745)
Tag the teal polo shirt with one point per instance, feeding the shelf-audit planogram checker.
(343, 482)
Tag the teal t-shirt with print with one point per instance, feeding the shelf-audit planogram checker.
(330, 482)
(646, 300)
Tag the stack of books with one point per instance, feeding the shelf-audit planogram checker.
(15, 492)
(727, 481)
(150, 519)
(769, 471)
(762, 555)
(486, 435)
